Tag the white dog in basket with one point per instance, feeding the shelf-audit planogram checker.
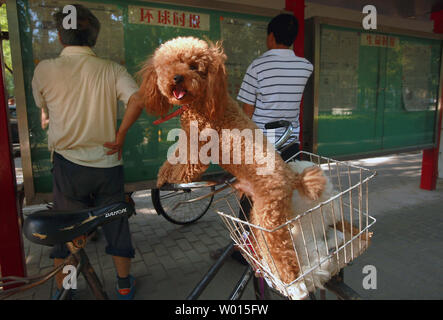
(314, 236)
(317, 240)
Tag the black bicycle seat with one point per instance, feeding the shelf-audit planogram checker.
(49, 227)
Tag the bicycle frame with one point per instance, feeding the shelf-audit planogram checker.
(84, 267)
(77, 257)
(239, 288)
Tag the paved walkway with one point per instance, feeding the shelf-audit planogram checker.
(170, 259)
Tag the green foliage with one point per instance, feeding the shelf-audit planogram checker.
(9, 78)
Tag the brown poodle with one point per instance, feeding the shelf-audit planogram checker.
(191, 72)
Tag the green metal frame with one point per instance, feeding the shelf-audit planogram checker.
(311, 117)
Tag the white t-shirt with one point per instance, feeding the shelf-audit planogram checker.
(80, 92)
(274, 84)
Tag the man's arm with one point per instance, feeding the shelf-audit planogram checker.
(248, 109)
(44, 118)
(248, 91)
(132, 113)
(38, 96)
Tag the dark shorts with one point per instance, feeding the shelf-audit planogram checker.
(78, 187)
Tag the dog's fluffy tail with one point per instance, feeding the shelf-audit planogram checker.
(310, 183)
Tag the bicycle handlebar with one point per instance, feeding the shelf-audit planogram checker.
(285, 136)
(277, 124)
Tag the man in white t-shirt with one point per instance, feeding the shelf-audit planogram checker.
(77, 93)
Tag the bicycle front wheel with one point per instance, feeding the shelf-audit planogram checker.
(173, 205)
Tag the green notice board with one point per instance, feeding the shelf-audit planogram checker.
(130, 32)
(377, 92)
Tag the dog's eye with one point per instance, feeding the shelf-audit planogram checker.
(193, 67)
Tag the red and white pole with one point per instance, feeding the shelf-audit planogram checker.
(429, 168)
(12, 258)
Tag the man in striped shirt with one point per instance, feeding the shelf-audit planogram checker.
(272, 90)
(273, 86)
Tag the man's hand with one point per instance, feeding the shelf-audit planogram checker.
(44, 119)
(133, 111)
(117, 145)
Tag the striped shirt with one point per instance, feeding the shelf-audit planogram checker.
(274, 84)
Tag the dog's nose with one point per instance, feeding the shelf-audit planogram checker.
(178, 78)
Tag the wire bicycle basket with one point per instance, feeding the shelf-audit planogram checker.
(326, 234)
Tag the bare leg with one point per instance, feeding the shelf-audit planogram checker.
(122, 265)
(60, 275)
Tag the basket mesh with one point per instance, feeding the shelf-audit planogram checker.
(326, 234)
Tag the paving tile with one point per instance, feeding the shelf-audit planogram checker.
(144, 246)
(160, 250)
(193, 256)
(168, 262)
(184, 245)
(139, 269)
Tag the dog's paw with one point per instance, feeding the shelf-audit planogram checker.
(161, 181)
(179, 174)
(244, 187)
(164, 174)
(313, 182)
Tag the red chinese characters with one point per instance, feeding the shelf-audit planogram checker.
(378, 40)
(164, 17)
(194, 21)
(179, 19)
(145, 15)
(392, 41)
(171, 18)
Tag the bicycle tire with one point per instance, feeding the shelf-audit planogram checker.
(180, 219)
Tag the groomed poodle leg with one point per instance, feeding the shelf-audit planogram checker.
(281, 255)
(179, 173)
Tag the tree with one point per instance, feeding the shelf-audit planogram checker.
(9, 78)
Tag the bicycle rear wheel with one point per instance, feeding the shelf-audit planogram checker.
(172, 206)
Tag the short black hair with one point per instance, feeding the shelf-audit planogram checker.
(87, 30)
(285, 29)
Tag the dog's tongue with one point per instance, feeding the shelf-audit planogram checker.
(179, 93)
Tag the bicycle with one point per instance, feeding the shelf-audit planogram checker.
(49, 227)
(269, 280)
(168, 201)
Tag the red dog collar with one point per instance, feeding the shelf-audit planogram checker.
(177, 112)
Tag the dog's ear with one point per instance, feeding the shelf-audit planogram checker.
(217, 93)
(155, 103)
